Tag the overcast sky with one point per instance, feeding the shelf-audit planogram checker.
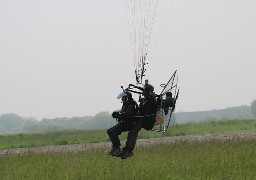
(63, 58)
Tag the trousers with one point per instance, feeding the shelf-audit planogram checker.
(116, 130)
(133, 134)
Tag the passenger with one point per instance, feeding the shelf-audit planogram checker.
(125, 121)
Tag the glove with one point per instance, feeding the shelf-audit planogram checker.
(115, 114)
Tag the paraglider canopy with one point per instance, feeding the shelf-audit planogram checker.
(144, 18)
(141, 16)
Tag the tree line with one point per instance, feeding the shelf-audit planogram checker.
(12, 123)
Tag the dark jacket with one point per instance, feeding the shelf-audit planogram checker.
(148, 108)
(127, 112)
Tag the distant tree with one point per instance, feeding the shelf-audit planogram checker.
(31, 125)
(210, 117)
(11, 123)
(253, 108)
(102, 120)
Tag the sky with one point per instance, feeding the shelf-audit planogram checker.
(62, 58)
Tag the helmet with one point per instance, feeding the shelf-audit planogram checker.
(149, 88)
(169, 94)
(125, 94)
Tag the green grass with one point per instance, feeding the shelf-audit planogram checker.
(232, 159)
(52, 138)
(220, 126)
(88, 136)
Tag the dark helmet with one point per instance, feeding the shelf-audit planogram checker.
(149, 88)
(169, 94)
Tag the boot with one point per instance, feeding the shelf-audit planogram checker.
(116, 152)
(126, 154)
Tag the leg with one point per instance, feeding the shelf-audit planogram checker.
(131, 140)
(133, 135)
(113, 134)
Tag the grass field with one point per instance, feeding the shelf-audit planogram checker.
(182, 160)
(87, 136)
(230, 159)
